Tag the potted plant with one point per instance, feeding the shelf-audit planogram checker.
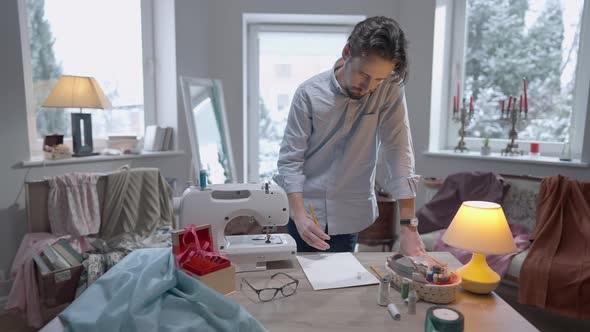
(486, 150)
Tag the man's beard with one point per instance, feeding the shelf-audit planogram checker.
(353, 95)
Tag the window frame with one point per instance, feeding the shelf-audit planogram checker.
(252, 25)
(450, 24)
(149, 84)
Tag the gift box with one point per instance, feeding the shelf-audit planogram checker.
(194, 249)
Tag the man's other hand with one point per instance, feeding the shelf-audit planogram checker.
(411, 245)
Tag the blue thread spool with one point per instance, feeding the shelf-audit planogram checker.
(203, 179)
(429, 275)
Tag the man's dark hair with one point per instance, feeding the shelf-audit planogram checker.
(384, 37)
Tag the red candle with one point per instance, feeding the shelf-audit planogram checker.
(520, 103)
(454, 104)
(526, 100)
(458, 94)
(509, 103)
(534, 147)
(503, 101)
(471, 103)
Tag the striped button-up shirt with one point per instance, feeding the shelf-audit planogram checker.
(331, 145)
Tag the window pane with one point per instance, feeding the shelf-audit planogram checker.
(512, 39)
(101, 39)
(287, 59)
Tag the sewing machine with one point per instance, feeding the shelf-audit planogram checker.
(220, 204)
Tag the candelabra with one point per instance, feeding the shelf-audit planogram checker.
(462, 116)
(513, 115)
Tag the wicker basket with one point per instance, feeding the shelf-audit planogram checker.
(440, 294)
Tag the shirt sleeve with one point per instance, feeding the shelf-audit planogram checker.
(396, 149)
(294, 145)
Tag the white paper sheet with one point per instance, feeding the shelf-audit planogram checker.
(335, 270)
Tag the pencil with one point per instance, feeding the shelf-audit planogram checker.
(377, 272)
(315, 219)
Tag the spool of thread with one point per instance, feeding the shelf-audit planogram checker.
(383, 291)
(442, 318)
(203, 179)
(393, 311)
(429, 275)
(412, 298)
(405, 288)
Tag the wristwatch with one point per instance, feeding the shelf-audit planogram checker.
(409, 222)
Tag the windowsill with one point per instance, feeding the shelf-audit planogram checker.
(99, 158)
(543, 160)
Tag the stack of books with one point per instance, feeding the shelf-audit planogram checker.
(57, 256)
(158, 138)
(123, 143)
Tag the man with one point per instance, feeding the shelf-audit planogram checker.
(338, 122)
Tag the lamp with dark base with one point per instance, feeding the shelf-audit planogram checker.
(80, 92)
(82, 135)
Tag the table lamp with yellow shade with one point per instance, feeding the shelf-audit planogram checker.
(480, 227)
(82, 92)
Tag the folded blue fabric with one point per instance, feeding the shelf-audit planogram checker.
(145, 292)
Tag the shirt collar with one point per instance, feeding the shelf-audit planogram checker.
(335, 81)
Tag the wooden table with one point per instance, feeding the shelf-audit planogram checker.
(356, 308)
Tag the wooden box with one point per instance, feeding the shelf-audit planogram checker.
(59, 287)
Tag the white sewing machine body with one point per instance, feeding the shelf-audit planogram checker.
(219, 204)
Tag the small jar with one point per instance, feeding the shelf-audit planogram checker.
(412, 298)
(383, 291)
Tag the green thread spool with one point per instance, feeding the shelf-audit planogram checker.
(443, 319)
(405, 288)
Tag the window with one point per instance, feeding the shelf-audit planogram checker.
(490, 47)
(283, 102)
(280, 58)
(102, 39)
(283, 70)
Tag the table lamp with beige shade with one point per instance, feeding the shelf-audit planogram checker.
(480, 227)
(82, 92)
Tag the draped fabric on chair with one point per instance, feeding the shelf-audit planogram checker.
(556, 273)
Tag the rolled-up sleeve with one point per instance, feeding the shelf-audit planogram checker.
(397, 151)
(295, 142)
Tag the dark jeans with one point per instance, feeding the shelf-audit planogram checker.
(338, 243)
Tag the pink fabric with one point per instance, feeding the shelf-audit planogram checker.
(24, 294)
(498, 263)
(73, 206)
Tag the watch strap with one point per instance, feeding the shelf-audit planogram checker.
(409, 221)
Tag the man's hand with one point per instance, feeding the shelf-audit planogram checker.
(311, 233)
(411, 245)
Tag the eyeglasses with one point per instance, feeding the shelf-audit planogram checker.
(269, 293)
